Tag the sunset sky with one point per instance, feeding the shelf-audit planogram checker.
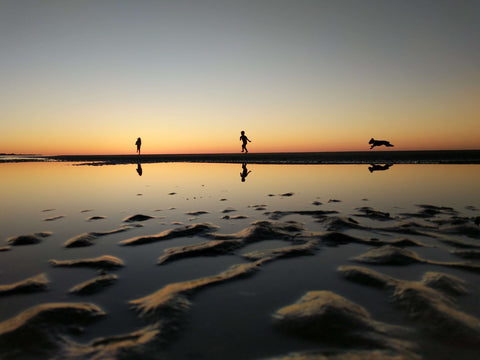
(89, 77)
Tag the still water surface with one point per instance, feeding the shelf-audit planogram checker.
(235, 315)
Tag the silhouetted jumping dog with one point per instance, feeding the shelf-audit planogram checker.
(378, 143)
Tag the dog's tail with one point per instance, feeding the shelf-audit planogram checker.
(389, 145)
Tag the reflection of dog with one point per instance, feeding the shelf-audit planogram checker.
(378, 143)
(375, 167)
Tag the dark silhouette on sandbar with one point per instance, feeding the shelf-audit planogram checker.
(244, 172)
(139, 145)
(376, 167)
(139, 169)
(379, 143)
(244, 140)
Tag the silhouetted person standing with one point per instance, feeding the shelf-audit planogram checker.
(139, 145)
(244, 140)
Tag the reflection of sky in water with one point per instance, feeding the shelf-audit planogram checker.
(117, 192)
(28, 188)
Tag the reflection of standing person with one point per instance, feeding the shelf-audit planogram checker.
(139, 169)
(244, 172)
(244, 140)
(139, 144)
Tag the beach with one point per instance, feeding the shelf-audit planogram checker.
(372, 255)
(342, 157)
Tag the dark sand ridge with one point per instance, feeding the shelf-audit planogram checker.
(347, 157)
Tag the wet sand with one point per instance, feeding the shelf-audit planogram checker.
(357, 157)
(309, 280)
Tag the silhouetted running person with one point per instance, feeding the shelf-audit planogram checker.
(244, 172)
(139, 144)
(244, 140)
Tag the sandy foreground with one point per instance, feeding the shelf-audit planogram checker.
(396, 285)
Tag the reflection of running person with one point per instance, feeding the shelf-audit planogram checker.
(139, 144)
(139, 169)
(244, 140)
(244, 172)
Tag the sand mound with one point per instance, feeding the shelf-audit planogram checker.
(433, 310)
(127, 346)
(391, 255)
(53, 218)
(445, 283)
(86, 239)
(172, 300)
(316, 214)
(330, 318)
(33, 284)
(37, 331)
(265, 230)
(28, 239)
(102, 262)
(94, 285)
(373, 214)
(287, 251)
(138, 217)
(189, 230)
(429, 211)
(209, 248)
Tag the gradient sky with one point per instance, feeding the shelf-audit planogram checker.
(89, 77)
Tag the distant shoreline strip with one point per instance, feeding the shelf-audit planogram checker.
(354, 157)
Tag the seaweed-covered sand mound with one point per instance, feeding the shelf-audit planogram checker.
(36, 332)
